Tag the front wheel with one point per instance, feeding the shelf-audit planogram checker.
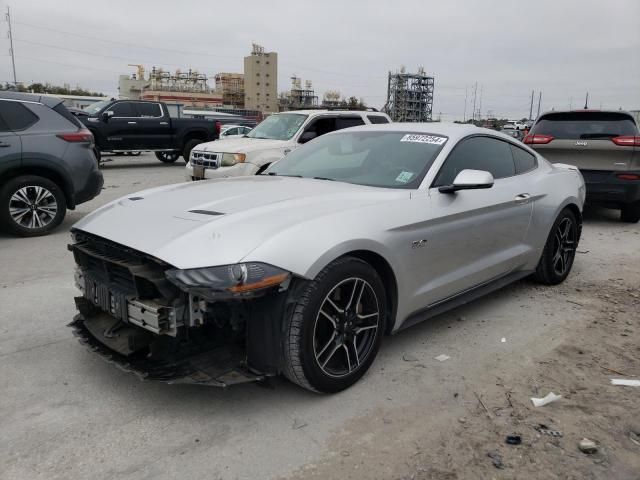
(31, 206)
(167, 157)
(560, 250)
(336, 327)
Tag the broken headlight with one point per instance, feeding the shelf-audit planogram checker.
(235, 280)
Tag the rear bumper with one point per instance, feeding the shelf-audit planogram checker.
(91, 189)
(605, 188)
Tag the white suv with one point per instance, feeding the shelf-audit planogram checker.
(271, 140)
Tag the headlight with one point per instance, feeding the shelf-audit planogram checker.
(229, 159)
(238, 279)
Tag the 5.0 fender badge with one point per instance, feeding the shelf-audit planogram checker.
(419, 243)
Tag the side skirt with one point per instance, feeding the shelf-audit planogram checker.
(462, 298)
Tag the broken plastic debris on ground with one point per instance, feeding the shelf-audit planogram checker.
(541, 402)
(626, 382)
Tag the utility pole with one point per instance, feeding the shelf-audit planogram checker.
(586, 101)
(13, 60)
(570, 103)
(464, 116)
(531, 106)
(539, 101)
(475, 94)
(480, 107)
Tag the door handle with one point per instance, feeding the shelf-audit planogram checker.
(164, 123)
(522, 198)
(4, 145)
(287, 150)
(132, 123)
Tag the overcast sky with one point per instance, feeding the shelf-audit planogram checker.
(560, 47)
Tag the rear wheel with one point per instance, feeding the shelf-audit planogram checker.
(31, 206)
(560, 250)
(186, 153)
(167, 157)
(630, 213)
(336, 327)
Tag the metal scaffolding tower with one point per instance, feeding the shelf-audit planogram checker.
(410, 96)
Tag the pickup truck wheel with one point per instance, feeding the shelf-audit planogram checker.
(336, 327)
(31, 206)
(167, 157)
(186, 153)
(630, 213)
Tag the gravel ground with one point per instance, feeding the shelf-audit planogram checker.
(66, 414)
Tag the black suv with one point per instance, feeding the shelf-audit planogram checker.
(605, 146)
(47, 163)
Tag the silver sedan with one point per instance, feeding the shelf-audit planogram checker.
(304, 269)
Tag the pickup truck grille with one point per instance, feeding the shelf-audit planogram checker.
(206, 159)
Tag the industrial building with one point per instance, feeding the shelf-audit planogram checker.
(231, 86)
(189, 88)
(298, 97)
(410, 96)
(261, 80)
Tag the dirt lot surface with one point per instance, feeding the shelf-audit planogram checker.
(66, 414)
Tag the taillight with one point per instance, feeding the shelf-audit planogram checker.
(628, 176)
(218, 127)
(81, 136)
(537, 139)
(627, 141)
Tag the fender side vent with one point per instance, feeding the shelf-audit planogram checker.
(206, 212)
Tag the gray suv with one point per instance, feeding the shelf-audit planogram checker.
(47, 163)
(604, 145)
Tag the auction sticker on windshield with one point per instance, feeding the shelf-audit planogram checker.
(432, 139)
(404, 177)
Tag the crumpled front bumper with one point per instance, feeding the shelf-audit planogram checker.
(218, 367)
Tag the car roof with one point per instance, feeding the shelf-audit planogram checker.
(341, 112)
(584, 110)
(31, 97)
(452, 130)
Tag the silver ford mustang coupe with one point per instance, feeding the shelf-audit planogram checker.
(303, 270)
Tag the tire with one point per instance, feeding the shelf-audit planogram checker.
(31, 206)
(630, 213)
(325, 354)
(560, 250)
(186, 153)
(167, 157)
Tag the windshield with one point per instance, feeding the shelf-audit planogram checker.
(380, 158)
(282, 126)
(96, 107)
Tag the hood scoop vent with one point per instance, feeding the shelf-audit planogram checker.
(206, 212)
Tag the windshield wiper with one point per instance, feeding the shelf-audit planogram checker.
(324, 178)
(274, 174)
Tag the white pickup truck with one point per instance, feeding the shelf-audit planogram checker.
(271, 140)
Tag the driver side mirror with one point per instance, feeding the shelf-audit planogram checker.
(107, 115)
(306, 136)
(469, 180)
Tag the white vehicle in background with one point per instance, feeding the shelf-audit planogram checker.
(234, 131)
(515, 125)
(271, 140)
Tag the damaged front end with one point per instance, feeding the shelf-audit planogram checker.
(212, 326)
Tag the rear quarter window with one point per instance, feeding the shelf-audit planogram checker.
(62, 110)
(524, 161)
(16, 116)
(377, 119)
(585, 125)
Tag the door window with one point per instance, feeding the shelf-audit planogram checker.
(149, 110)
(346, 122)
(16, 116)
(477, 153)
(123, 109)
(231, 131)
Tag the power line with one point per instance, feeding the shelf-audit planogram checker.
(13, 59)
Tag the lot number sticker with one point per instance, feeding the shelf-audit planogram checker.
(423, 139)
